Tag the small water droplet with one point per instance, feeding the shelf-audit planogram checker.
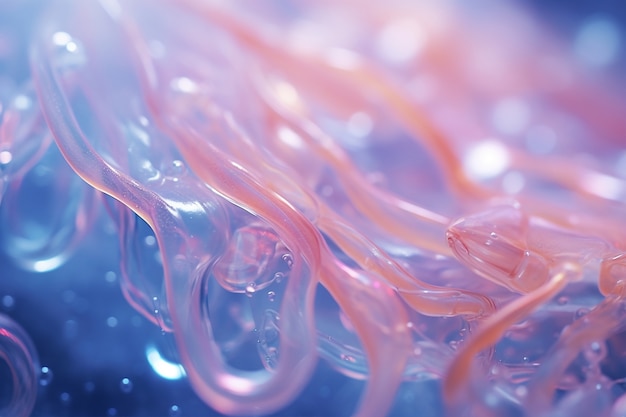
(250, 289)
(595, 353)
(175, 411)
(112, 322)
(278, 277)
(271, 295)
(493, 235)
(156, 305)
(45, 378)
(5, 156)
(126, 385)
(65, 398)
(288, 259)
(581, 312)
(348, 358)
(69, 51)
(562, 300)
(110, 277)
(8, 302)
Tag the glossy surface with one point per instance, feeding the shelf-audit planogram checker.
(419, 196)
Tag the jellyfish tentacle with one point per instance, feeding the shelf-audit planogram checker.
(494, 327)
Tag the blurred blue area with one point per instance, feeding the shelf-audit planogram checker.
(90, 339)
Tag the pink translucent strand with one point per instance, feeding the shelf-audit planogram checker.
(270, 163)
